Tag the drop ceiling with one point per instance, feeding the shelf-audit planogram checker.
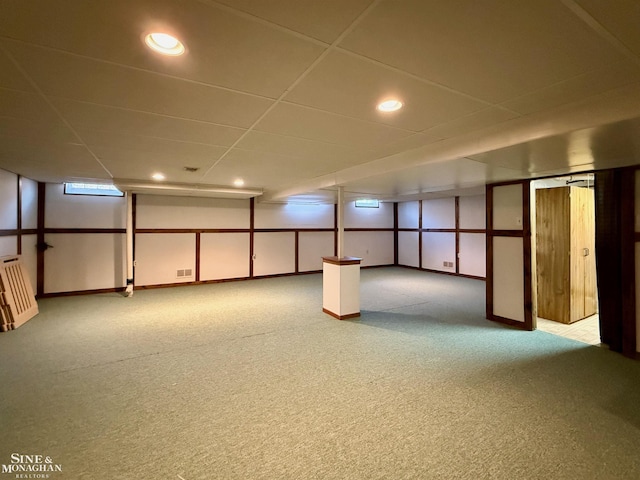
(282, 93)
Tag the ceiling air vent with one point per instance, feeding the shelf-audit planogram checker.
(191, 169)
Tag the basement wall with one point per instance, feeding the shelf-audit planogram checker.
(448, 237)
(180, 240)
(18, 225)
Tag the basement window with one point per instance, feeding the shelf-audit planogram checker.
(95, 189)
(368, 203)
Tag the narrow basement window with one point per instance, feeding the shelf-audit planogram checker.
(95, 189)
(368, 203)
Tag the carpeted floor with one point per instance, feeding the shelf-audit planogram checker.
(250, 380)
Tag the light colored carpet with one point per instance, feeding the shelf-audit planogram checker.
(250, 380)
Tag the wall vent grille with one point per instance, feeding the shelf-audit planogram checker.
(17, 302)
(184, 272)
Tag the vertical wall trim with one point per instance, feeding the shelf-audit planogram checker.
(252, 204)
(197, 256)
(335, 229)
(529, 323)
(297, 250)
(134, 201)
(489, 256)
(395, 233)
(19, 216)
(457, 225)
(40, 239)
(419, 233)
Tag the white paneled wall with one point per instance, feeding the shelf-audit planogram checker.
(84, 262)
(274, 253)
(408, 213)
(508, 278)
(408, 249)
(356, 217)
(375, 248)
(30, 258)
(473, 254)
(8, 245)
(224, 255)
(293, 216)
(440, 247)
(159, 256)
(507, 207)
(439, 213)
(8, 201)
(82, 211)
(154, 211)
(29, 204)
(473, 212)
(437, 248)
(312, 246)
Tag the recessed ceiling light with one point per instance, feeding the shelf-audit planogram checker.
(238, 182)
(158, 176)
(389, 106)
(164, 43)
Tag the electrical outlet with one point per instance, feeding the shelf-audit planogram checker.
(444, 264)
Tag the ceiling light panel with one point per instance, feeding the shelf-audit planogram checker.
(389, 106)
(164, 44)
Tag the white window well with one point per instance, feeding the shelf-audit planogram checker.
(95, 189)
(368, 203)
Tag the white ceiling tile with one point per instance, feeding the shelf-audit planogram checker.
(577, 88)
(119, 120)
(42, 161)
(10, 76)
(297, 121)
(77, 78)
(351, 86)
(184, 152)
(324, 20)
(416, 140)
(475, 121)
(222, 49)
(493, 50)
(28, 106)
(621, 18)
(36, 132)
(295, 147)
(257, 169)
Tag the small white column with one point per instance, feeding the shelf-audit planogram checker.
(341, 287)
(129, 289)
(341, 276)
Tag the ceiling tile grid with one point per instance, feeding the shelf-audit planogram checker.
(283, 93)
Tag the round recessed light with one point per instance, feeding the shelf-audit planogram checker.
(238, 182)
(158, 176)
(389, 106)
(164, 43)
